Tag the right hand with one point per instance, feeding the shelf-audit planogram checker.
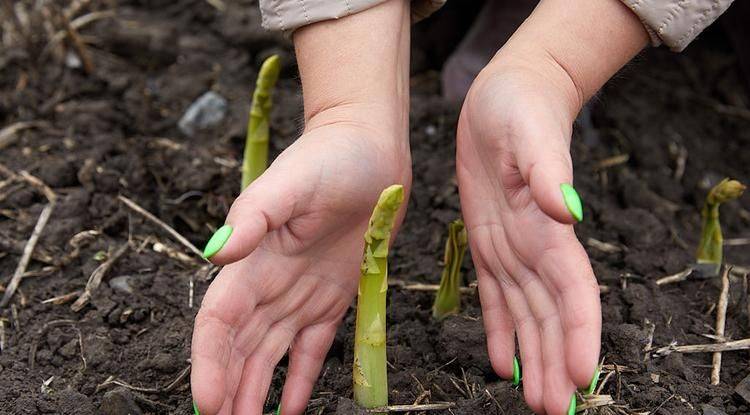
(294, 255)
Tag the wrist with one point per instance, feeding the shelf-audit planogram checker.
(536, 71)
(587, 40)
(357, 63)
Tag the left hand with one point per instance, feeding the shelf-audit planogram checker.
(534, 276)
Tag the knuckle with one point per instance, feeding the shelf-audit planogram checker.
(525, 323)
(548, 322)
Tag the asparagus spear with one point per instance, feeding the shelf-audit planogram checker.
(710, 246)
(448, 298)
(370, 374)
(256, 143)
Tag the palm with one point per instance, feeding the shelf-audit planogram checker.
(534, 276)
(294, 288)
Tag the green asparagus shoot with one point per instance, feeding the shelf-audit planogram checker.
(370, 371)
(448, 299)
(256, 143)
(710, 246)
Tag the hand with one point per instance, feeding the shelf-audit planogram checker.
(297, 242)
(513, 154)
(534, 276)
(298, 229)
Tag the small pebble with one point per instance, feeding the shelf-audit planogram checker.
(206, 111)
(122, 284)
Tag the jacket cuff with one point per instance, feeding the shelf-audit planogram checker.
(676, 22)
(289, 15)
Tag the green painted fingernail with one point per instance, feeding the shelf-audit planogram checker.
(572, 406)
(195, 409)
(217, 241)
(572, 201)
(516, 372)
(594, 382)
(278, 410)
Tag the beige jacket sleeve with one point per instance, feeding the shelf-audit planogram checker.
(289, 15)
(676, 23)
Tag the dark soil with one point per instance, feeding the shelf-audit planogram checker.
(114, 132)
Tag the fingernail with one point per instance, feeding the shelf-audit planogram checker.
(572, 201)
(572, 406)
(217, 241)
(278, 410)
(195, 409)
(594, 382)
(516, 372)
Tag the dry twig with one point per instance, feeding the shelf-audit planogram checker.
(35, 234)
(218, 5)
(736, 241)
(27, 251)
(416, 286)
(62, 299)
(75, 39)
(721, 319)
(2, 334)
(96, 278)
(9, 134)
(606, 247)
(742, 344)
(595, 401)
(76, 24)
(158, 389)
(680, 276)
(438, 406)
(148, 215)
(680, 155)
(612, 161)
(174, 253)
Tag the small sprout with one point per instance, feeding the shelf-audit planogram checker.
(710, 246)
(256, 143)
(100, 256)
(448, 298)
(370, 370)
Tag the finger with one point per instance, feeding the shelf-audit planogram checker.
(210, 359)
(529, 342)
(558, 387)
(493, 264)
(266, 205)
(567, 268)
(545, 165)
(306, 357)
(258, 369)
(213, 338)
(498, 326)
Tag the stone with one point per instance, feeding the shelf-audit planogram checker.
(122, 283)
(208, 110)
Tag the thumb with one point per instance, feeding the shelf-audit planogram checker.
(547, 169)
(265, 205)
